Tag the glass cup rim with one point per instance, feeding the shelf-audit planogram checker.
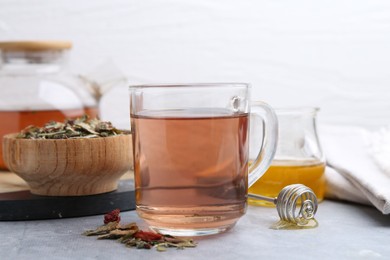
(196, 85)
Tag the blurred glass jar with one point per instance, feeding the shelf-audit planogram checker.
(298, 159)
(36, 86)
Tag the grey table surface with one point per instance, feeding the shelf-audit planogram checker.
(345, 231)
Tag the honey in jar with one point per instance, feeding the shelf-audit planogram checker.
(298, 158)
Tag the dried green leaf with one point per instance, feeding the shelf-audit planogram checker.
(85, 127)
(128, 236)
(131, 225)
(140, 244)
(117, 233)
(161, 248)
(132, 242)
(181, 245)
(82, 127)
(102, 229)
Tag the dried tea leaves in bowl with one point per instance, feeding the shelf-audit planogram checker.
(82, 127)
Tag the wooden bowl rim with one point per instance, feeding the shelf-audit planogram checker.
(13, 136)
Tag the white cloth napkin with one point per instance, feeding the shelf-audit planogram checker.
(354, 172)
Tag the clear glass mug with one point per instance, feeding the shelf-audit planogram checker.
(191, 154)
(298, 159)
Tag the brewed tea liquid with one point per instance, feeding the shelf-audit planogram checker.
(190, 168)
(14, 121)
(285, 172)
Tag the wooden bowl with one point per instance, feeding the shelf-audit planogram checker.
(69, 167)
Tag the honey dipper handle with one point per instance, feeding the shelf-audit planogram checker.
(260, 197)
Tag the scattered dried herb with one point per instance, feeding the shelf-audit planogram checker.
(82, 127)
(132, 236)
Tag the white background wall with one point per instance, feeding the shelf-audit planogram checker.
(334, 54)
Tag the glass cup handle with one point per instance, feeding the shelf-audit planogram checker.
(270, 138)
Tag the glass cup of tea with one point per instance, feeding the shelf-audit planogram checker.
(299, 157)
(191, 154)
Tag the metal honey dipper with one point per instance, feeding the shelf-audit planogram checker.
(287, 201)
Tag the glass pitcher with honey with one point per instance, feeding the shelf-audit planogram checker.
(36, 86)
(298, 159)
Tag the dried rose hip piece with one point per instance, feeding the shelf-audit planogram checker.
(147, 236)
(112, 216)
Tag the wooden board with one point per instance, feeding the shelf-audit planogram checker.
(17, 203)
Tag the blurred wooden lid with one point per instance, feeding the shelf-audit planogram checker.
(35, 45)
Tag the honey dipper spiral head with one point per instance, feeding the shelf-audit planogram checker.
(296, 203)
